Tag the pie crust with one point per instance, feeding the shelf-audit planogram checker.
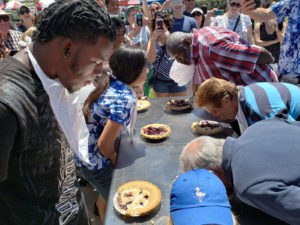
(142, 105)
(170, 106)
(207, 127)
(156, 136)
(137, 198)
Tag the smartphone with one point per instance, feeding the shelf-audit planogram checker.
(160, 24)
(139, 19)
(219, 12)
(176, 2)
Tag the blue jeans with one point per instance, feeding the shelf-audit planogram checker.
(99, 179)
(161, 86)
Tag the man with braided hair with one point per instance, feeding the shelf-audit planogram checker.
(37, 173)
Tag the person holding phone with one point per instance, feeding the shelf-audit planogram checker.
(163, 85)
(136, 29)
(235, 21)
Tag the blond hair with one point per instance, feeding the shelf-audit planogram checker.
(213, 90)
(28, 33)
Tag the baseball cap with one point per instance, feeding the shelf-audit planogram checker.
(20, 6)
(197, 10)
(199, 197)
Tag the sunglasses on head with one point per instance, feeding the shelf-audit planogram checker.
(196, 14)
(234, 4)
(4, 18)
(22, 12)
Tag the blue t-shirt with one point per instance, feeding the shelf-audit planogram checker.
(289, 62)
(117, 103)
(187, 14)
(185, 24)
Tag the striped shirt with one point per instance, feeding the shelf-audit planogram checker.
(267, 100)
(219, 52)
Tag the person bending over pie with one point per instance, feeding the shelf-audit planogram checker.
(219, 52)
(262, 166)
(199, 197)
(111, 106)
(244, 106)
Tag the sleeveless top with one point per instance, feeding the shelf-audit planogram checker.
(273, 48)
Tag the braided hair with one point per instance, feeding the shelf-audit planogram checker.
(81, 20)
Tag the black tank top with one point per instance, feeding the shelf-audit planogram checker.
(264, 36)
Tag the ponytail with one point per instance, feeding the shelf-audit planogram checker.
(101, 86)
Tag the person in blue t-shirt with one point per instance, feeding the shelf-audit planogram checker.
(111, 106)
(181, 22)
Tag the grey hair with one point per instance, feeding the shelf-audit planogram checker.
(175, 42)
(203, 152)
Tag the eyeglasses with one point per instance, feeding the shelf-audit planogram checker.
(4, 18)
(155, 9)
(234, 4)
(22, 12)
(196, 14)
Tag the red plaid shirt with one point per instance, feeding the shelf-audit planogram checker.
(219, 52)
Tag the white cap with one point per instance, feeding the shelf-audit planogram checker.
(197, 10)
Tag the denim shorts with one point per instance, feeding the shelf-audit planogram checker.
(99, 179)
(161, 86)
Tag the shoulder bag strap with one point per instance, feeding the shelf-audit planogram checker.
(237, 22)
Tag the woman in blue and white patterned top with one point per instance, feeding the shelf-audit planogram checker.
(108, 108)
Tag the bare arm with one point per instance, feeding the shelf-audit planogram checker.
(259, 14)
(280, 33)
(249, 35)
(258, 40)
(146, 9)
(151, 47)
(166, 5)
(107, 139)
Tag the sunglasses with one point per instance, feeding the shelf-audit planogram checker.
(4, 18)
(196, 14)
(155, 9)
(233, 4)
(22, 12)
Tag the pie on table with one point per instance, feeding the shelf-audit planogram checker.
(207, 127)
(155, 131)
(142, 105)
(178, 104)
(137, 198)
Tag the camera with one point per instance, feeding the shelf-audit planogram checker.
(160, 24)
(139, 19)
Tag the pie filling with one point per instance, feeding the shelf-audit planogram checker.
(132, 199)
(155, 130)
(208, 124)
(178, 102)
